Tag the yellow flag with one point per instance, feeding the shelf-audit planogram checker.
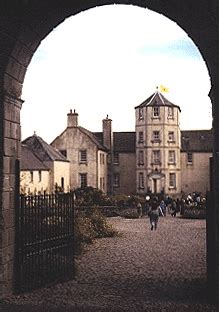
(164, 89)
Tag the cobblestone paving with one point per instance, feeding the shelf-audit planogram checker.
(141, 270)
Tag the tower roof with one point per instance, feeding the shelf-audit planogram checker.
(157, 99)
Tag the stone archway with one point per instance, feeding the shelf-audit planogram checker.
(23, 25)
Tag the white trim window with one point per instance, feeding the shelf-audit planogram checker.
(171, 137)
(83, 180)
(83, 156)
(170, 112)
(156, 157)
(156, 136)
(156, 111)
(116, 180)
(172, 157)
(172, 180)
(141, 180)
(189, 158)
(141, 158)
(141, 113)
(140, 137)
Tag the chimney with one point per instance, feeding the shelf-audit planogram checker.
(107, 133)
(72, 120)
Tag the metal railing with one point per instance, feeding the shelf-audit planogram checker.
(44, 240)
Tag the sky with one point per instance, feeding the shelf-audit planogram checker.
(106, 61)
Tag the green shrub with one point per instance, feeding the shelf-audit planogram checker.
(89, 226)
(129, 213)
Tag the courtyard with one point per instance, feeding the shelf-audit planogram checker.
(139, 270)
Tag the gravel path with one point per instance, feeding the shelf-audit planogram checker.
(141, 270)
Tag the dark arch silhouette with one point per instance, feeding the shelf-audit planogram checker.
(23, 25)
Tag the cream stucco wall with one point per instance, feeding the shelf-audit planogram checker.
(102, 171)
(158, 172)
(61, 171)
(196, 175)
(35, 185)
(73, 140)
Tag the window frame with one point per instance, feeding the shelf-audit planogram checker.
(172, 180)
(170, 115)
(83, 156)
(141, 158)
(156, 157)
(140, 137)
(116, 158)
(141, 184)
(156, 112)
(116, 179)
(189, 156)
(171, 136)
(83, 176)
(172, 158)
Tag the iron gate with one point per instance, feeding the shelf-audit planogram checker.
(44, 240)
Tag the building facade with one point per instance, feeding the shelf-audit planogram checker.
(43, 168)
(157, 158)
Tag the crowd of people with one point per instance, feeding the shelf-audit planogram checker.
(155, 207)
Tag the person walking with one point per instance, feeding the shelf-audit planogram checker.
(154, 212)
(139, 209)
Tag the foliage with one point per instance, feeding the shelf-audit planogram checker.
(129, 213)
(90, 196)
(89, 226)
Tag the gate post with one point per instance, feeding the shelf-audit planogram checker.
(10, 153)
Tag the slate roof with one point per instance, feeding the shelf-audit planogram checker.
(124, 142)
(197, 141)
(29, 161)
(43, 150)
(157, 99)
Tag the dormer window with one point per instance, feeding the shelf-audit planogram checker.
(156, 111)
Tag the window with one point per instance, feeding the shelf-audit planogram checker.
(141, 180)
(102, 159)
(83, 180)
(141, 115)
(172, 180)
(102, 183)
(116, 159)
(156, 111)
(189, 158)
(63, 152)
(83, 156)
(140, 137)
(170, 112)
(40, 175)
(140, 158)
(31, 176)
(156, 136)
(172, 157)
(171, 136)
(116, 179)
(62, 183)
(156, 157)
